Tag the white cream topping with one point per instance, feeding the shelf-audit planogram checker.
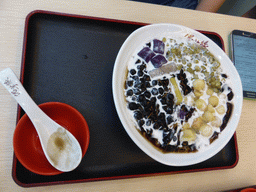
(197, 65)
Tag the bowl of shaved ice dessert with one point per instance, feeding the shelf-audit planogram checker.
(177, 94)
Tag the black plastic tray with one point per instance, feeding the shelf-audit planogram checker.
(69, 58)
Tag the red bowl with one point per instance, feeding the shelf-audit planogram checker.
(26, 143)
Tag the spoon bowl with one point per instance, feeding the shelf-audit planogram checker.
(26, 143)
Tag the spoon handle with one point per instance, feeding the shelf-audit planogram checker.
(10, 81)
(15, 88)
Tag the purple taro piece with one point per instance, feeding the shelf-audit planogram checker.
(158, 46)
(147, 54)
(182, 114)
(158, 61)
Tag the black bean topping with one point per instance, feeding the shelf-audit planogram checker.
(147, 94)
(138, 61)
(189, 114)
(165, 82)
(167, 136)
(171, 148)
(154, 91)
(141, 67)
(146, 78)
(224, 75)
(227, 116)
(140, 73)
(129, 83)
(156, 125)
(141, 98)
(214, 136)
(133, 106)
(163, 101)
(183, 82)
(153, 99)
(141, 122)
(170, 97)
(154, 82)
(230, 95)
(136, 91)
(148, 123)
(129, 92)
(161, 90)
(169, 119)
(147, 84)
(149, 132)
(135, 77)
(138, 115)
(133, 71)
(185, 143)
(168, 110)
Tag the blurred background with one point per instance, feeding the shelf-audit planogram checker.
(243, 8)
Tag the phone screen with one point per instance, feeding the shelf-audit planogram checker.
(244, 58)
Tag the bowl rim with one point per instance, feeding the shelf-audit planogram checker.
(135, 40)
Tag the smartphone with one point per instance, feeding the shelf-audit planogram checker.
(243, 44)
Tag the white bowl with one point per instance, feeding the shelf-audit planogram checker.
(144, 35)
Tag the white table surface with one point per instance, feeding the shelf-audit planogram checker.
(12, 22)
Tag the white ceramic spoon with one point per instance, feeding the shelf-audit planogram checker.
(60, 147)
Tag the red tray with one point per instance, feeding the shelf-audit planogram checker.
(70, 59)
